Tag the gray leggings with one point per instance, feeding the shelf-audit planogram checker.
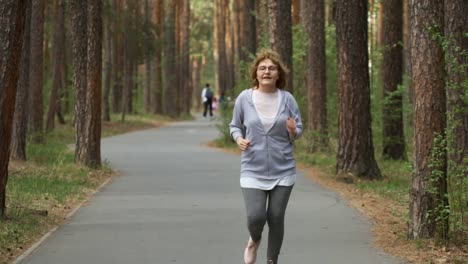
(258, 212)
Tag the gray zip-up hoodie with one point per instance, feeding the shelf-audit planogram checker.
(270, 154)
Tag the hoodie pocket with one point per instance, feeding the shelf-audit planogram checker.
(280, 161)
(254, 161)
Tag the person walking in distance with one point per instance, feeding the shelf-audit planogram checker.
(266, 121)
(207, 97)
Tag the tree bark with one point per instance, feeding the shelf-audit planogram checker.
(12, 15)
(392, 77)
(36, 71)
(94, 83)
(107, 69)
(427, 191)
(355, 148)
(184, 57)
(59, 36)
(170, 87)
(313, 19)
(157, 63)
(281, 34)
(20, 119)
(78, 12)
(456, 22)
(118, 57)
(248, 32)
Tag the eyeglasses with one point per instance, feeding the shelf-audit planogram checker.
(270, 68)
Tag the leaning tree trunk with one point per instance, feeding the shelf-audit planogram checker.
(392, 77)
(12, 15)
(355, 147)
(281, 33)
(428, 184)
(20, 119)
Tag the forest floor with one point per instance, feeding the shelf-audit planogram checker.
(389, 224)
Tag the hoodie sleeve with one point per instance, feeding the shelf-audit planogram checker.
(237, 122)
(296, 114)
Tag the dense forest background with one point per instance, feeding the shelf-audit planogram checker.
(382, 85)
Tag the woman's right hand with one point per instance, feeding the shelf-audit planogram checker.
(243, 143)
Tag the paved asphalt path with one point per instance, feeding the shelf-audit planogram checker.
(178, 201)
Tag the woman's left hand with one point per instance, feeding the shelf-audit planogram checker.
(291, 125)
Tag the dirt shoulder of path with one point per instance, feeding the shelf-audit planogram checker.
(387, 218)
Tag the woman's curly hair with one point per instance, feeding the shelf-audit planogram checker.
(275, 58)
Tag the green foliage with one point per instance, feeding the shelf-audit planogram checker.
(456, 172)
(332, 81)
(299, 67)
(225, 116)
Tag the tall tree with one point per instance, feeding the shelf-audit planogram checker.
(313, 19)
(12, 16)
(456, 23)
(157, 62)
(118, 55)
(87, 58)
(58, 45)
(392, 77)
(281, 33)
(355, 148)
(262, 24)
(428, 189)
(248, 32)
(148, 60)
(36, 71)
(170, 89)
(184, 57)
(93, 87)
(107, 67)
(20, 119)
(78, 12)
(220, 45)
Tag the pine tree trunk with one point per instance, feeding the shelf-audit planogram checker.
(184, 57)
(36, 71)
(281, 33)
(20, 119)
(313, 19)
(392, 77)
(248, 34)
(170, 89)
(427, 192)
(455, 27)
(157, 74)
(78, 12)
(12, 16)
(94, 83)
(107, 71)
(355, 148)
(118, 57)
(56, 79)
